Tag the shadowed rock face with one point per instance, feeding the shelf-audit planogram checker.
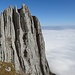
(21, 41)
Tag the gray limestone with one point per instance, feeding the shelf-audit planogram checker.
(21, 41)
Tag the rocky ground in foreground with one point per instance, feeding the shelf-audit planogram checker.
(8, 69)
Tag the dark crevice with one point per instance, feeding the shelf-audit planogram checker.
(29, 61)
(22, 64)
(31, 29)
(12, 55)
(25, 53)
(19, 10)
(47, 68)
(31, 20)
(0, 35)
(4, 18)
(25, 36)
(0, 44)
(36, 69)
(3, 56)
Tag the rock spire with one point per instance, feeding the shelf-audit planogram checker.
(21, 41)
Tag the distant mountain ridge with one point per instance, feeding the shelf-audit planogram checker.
(57, 27)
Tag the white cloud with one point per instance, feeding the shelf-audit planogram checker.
(60, 50)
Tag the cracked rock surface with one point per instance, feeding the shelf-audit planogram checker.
(21, 41)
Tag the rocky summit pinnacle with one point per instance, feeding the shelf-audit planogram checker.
(21, 41)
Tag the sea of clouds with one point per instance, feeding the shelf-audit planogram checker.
(60, 50)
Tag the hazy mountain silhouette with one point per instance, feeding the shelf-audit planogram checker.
(58, 27)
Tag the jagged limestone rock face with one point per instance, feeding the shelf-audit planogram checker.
(21, 41)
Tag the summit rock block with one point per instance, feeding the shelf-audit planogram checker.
(21, 41)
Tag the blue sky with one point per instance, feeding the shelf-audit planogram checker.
(49, 12)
